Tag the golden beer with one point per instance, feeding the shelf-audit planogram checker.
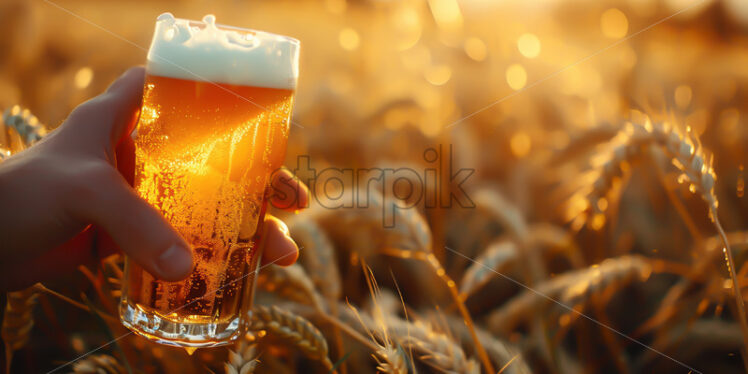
(204, 153)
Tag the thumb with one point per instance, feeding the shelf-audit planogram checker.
(102, 121)
(136, 227)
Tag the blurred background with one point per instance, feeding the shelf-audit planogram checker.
(522, 91)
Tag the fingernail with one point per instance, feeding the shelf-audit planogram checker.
(284, 229)
(175, 262)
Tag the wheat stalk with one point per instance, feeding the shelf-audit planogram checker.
(293, 328)
(409, 237)
(707, 334)
(710, 247)
(696, 167)
(318, 257)
(557, 239)
(390, 357)
(511, 218)
(290, 282)
(498, 256)
(503, 254)
(588, 205)
(571, 289)
(364, 224)
(243, 360)
(581, 144)
(115, 266)
(502, 353)
(387, 303)
(98, 364)
(499, 207)
(18, 321)
(430, 259)
(433, 347)
(391, 360)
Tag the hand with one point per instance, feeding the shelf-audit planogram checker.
(67, 200)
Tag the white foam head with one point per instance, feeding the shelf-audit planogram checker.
(202, 51)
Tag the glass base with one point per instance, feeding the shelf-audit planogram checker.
(179, 334)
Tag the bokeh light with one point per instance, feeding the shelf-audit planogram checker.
(516, 76)
(529, 45)
(83, 77)
(438, 74)
(349, 39)
(520, 144)
(614, 23)
(475, 49)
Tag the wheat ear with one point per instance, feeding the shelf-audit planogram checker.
(503, 353)
(243, 360)
(686, 154)
(364, 224)
(503, 253)
(557, 239)
(689, 157)
(391, 360)
(498, 256)
(573, 290)
(433, 347)
(512, 219)
(430, 259)
(293, 328)
(290, 282)
(318, 257)
(18, 321)
(696, 168)
(98, 364)
(581, 144)
(410, 237)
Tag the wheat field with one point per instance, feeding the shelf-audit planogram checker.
(567, 187)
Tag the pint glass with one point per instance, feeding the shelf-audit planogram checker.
(213, 127)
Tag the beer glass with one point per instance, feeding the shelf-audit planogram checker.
(212, 128)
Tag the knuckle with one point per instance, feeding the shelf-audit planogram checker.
(88, 180)
(93, 110)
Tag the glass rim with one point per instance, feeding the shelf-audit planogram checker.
(286, 38)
